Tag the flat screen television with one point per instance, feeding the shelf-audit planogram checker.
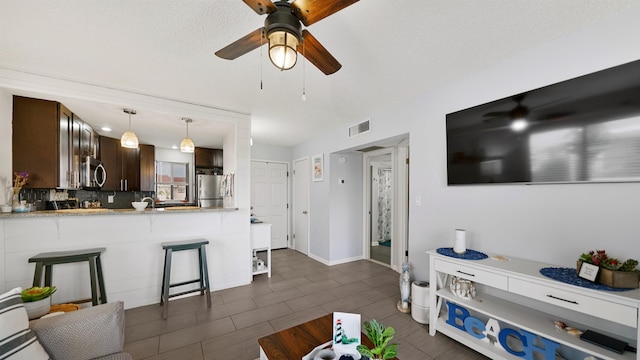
(585, 129)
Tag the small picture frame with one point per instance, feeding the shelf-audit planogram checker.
(317, 167)
(589, 271)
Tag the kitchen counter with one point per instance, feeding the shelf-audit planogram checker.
(102, 211)
(133, 261)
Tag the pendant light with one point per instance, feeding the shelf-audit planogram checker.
(129, 138)
(187, 145)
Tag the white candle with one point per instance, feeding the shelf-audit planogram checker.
(460, 244)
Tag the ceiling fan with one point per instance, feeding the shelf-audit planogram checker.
(519, 114)
(283, 31)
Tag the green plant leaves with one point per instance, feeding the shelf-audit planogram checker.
(37, 293)
(380, 337)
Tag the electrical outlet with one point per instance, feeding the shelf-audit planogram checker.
(110, 199)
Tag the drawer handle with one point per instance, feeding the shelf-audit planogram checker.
(465, 273)
(557, 298)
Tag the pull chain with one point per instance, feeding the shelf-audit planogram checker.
(261, 50)
(304, 92)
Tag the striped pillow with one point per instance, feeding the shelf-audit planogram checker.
(17, 342)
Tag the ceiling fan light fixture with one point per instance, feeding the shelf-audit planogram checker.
(282, 49)
(284, 32)
(129, 138)
(187, 145)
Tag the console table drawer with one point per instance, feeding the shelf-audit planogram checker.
(480, 276)
(621, 314)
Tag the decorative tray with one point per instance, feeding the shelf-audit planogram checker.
(468, 255)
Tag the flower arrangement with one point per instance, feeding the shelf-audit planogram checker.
(602, 259)
(612, 272)
(19, 181)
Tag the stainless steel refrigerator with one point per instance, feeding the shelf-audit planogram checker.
(209, 191)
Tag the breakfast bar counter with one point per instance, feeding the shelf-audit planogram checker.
(132, 262)
(105, 211)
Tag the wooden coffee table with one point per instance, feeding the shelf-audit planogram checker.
(296, 342)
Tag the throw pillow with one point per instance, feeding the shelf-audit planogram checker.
(17, 341)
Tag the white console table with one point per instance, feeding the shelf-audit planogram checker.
(261, 240)
(514, 293)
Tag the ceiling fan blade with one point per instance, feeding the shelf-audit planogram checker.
(311, 11)
(555, 116)
(497, 114)
(311, 49)
(243, 45)
(261, 7)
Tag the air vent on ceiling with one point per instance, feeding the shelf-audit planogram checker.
(360, 128)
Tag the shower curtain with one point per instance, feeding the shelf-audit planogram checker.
(384, 204)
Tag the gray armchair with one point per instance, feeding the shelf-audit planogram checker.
(96, 332)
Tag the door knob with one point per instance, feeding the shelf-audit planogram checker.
(305, 212)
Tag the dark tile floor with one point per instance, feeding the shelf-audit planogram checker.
(299, 290)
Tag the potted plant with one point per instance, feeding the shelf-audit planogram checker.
(613, 272)
(37, 300)
(380, 337)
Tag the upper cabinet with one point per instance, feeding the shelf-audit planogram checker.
(210, 159)
(35, 140)
(47, 140)
(127, 169)
(147, 168)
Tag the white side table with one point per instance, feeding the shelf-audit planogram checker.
(261, 240)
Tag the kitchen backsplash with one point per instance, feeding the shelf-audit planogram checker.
(121, 199)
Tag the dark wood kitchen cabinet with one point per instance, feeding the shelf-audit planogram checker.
(110, 157)
(35, 140)
(209, 159)
(46, 143)
(127, 169)
(147, 168)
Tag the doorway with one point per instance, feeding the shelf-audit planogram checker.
(381, 214)
(301, 171)
(269, 198)
(386, 197)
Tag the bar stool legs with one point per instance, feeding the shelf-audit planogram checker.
(203, 278)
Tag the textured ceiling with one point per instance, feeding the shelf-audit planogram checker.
(388, 51)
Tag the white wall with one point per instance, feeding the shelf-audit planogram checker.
(551, 223)
(346, 232)
(6, 106)
(271, 152)
(6, 111)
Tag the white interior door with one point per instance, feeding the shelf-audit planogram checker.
(269, 199)
(301, 170)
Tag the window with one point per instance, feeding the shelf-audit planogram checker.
(172, 181)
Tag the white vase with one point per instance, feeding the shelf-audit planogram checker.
(460, 244)
(38, 308)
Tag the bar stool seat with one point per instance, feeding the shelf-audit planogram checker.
(45, 261)
(203, 279)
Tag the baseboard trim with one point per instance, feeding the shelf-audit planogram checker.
(335, 262)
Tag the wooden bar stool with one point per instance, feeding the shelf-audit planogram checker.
(203, 279)
(47, 260)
